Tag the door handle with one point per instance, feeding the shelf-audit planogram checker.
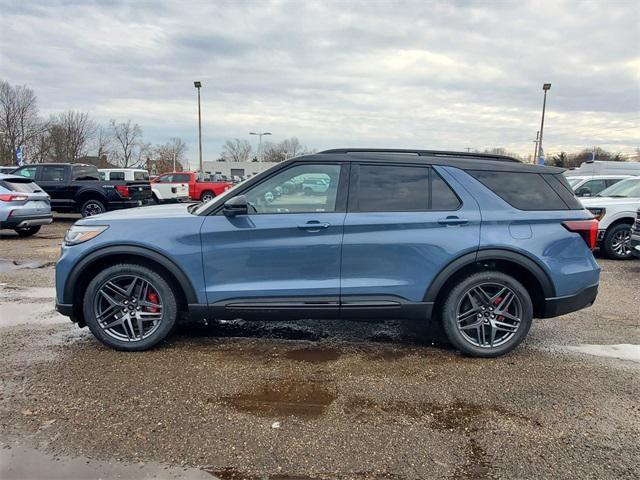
(452, 220)
(313, 226)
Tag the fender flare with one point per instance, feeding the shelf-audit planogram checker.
(147, 253)
(519, 259)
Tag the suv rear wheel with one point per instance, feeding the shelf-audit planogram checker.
(487, 314)
(92, 207)
(616, 242)
(130, 307)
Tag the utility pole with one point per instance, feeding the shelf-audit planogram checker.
(468, 149)
(546, 88)
(198, 85)
(535, 149)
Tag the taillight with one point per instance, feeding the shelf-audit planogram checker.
(123, 190)
(588, 230)
(9, 197)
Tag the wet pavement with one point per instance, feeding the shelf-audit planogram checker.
(318, 400)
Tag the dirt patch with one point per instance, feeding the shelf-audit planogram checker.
(314, 355)
(284, 398)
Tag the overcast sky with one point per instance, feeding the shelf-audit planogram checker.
(448, 75)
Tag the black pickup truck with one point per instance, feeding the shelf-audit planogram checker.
(75, 187)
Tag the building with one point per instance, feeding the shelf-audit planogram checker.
(238, 169)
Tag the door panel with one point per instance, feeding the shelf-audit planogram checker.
(54, 179)
(399, 253)
(285, 252)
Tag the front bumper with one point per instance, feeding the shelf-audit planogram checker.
(634, 244)
(20, 221)
(557, 306)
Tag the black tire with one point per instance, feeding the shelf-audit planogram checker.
(155, 198)
(455, 299)
(165, 292)
(307, 191)
(206, 196)
(92, 207)
(613, 244)
(27, 231)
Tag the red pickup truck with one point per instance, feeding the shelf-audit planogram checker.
(200, 189)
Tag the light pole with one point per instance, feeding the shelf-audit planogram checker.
(198, 85)
(545, 87)
(535, 148)
(259, 143)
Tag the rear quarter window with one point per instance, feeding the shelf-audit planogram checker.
(141, 176)
(527, 191)
(21, 186)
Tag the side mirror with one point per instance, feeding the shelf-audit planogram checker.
(584, 192)
(235, 206)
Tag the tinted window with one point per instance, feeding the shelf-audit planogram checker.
(140, 176)
(181, 178)
(29, 172)
(591, 187)
(165, 179)
(613, 181)
(442, 197)
(85, 173)
(52, 173)
(525, 191)
(299, 189)
(383, 188)
(19, 185)
(116, 176)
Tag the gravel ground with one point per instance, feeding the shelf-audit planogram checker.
(315, 400)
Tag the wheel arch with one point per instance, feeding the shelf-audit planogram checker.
(79, 277)
(524, 269)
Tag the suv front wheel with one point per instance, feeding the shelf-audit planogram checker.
(487, 314)
(129, 307)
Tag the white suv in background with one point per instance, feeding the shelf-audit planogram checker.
(591, 185)
(615, 208)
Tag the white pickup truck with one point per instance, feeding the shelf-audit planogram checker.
(170, 187)
(615, 208)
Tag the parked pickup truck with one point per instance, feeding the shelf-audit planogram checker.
(75, 187)
(170, 187)
(199, 188)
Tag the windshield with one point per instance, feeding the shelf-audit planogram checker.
(573, 181)
(625, 188)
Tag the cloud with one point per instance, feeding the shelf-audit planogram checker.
(446, 75)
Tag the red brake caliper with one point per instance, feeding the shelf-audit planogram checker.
(153, 298)
(496, 303)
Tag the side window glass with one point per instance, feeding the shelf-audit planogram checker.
(116, 176)
(383, 188)
(299, 189)
(165, 179)
(29, 172)
(52, 174)
(442, 197)
(102, 175)
(181, 178)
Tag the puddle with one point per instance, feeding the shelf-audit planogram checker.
(12, 265)
(313, 355)
(233, 474)
(285, 398)
(12, 314)
(623, 351)
(28, 464)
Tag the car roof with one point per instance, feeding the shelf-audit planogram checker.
(599, 177)
(460, 160)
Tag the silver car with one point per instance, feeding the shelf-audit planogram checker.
(24, 206)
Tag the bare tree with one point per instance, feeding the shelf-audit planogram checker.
(19, 119)
(277, 152)
(71, 133)
(236, 150)
(129, 148)
(103, 142)
(164, 156)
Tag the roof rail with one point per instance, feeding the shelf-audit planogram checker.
(426, 153)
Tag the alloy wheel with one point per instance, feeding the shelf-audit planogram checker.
(620, 243)
(128, 308)
(489, 315)
(92, 208)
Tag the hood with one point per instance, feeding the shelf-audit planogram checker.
(604, 201)
(156, 211)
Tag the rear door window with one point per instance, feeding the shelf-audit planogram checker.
(52, 173)
(386, 188)
(116, 176)
(29, 172)
(181, 178)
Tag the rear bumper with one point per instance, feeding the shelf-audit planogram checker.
(634, 244)
(557, 306)
(17, 221)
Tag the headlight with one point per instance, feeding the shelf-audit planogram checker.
(598, 212)
(80, 234)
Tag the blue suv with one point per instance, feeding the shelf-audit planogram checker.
(481, 243)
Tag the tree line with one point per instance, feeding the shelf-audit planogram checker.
(72, 136)
(237, 150)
